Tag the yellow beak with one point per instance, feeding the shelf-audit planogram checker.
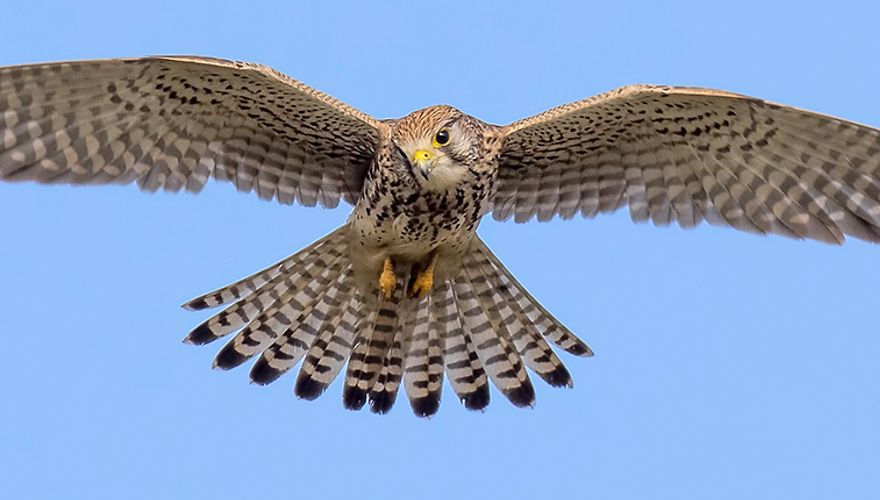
(422, 156)
(423, 159)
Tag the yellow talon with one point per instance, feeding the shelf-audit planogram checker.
(424, 282)
(387, 280)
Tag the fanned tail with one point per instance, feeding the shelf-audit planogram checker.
(259, 280)
(463, 367)
(374, 367)
(491, 328)
(304, 304)
(256, 293)
(423, 366)
(482, 325)
(479, 326)
(537, 320)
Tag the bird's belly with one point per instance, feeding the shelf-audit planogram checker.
(412, 236)
(409, 239)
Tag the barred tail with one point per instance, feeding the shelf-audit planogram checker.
(304, 304)
(480, 326)
(492, 328)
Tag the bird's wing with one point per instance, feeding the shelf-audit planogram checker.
(174, 122)
(689, 154)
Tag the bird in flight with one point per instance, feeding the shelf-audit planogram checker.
(405, 292)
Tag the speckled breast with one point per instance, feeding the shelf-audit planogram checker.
(405, 220)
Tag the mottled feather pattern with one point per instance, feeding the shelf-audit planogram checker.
(246, 286)
(372, 345)
(495, 352)
(288, 343)
(478, 327)
(470, 332)
(464, 369)
(669, 154)
(293, 274)
(423, 366)
(290, 320)
(383, 394)
(527, 309)
(507, 320)
(684, 155)
(173, 123)
(329, 352)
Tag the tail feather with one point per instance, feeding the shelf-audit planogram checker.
(423, 366)
(384, 392)
(313, 260)
(528, 341)
(498, 357)
(286, 349)
(287, 315)
(246, 286)
(465, 372)
(329, 353)
(549, 326)
(371, 347)
(480, 325)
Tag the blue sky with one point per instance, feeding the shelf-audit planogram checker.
(727, 365)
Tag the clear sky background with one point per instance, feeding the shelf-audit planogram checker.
(727, 365)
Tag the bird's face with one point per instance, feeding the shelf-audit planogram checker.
(437, 145)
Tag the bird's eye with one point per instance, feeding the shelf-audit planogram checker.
(442, 138)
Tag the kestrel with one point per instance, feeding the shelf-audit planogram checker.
(405, 291)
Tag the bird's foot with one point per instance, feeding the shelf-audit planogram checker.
(424, 280)
(387, 280)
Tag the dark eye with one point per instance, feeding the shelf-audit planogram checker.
(442, 138)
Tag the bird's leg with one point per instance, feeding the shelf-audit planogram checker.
(387, 280)
(424, 280)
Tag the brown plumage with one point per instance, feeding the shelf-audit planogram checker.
(405, 293)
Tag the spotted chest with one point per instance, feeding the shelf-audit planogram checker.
(397, 213)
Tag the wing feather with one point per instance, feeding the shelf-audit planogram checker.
(173, 122)
(680, 154)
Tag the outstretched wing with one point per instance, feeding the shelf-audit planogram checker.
(687, 155)
(174, 122)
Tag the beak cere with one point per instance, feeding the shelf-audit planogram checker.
(423, 159)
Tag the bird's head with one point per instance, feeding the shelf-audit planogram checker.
(438, 145)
